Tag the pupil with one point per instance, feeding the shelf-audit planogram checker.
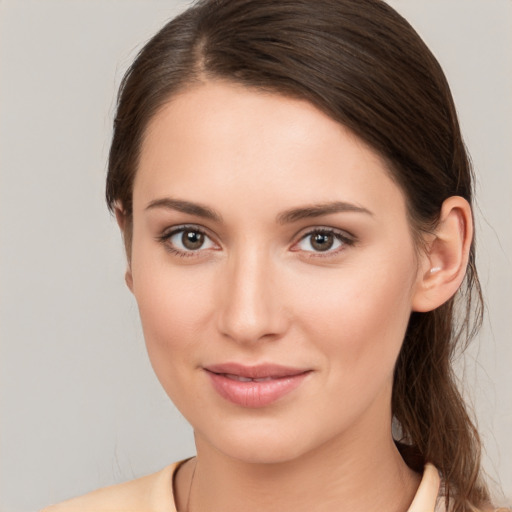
(192, 239)
(322, 241)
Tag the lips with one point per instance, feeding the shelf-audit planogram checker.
(254, 386)
(239, 378)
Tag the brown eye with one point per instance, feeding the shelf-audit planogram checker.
(322, 241)
(192, 240)
(187, 241)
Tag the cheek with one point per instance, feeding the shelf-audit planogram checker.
(359, 317)
(172, 308)
(170, 311)
(174, 303)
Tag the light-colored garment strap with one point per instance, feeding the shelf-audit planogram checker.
(426, 496)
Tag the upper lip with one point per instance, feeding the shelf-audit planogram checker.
(259, 371)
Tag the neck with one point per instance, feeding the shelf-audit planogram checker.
(344, 474)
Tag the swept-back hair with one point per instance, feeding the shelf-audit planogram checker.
(363, 65)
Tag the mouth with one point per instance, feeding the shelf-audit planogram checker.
(254, 386)
(240, 378)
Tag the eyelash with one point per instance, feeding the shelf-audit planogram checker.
(344, 238)
(166, 236)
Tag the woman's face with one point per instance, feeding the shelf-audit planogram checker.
(274, 270)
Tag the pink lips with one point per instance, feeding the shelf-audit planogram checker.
(254, 386)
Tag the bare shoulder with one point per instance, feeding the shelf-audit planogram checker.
(151, 493)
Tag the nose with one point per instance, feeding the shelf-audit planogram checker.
(251, 306)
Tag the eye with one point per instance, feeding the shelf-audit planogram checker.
(323, 241)
(187, 240)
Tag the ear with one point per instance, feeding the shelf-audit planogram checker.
(442, 266)
(124, 224)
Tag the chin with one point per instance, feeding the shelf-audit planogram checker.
(258, 444)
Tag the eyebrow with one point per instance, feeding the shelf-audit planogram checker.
(179, 205)
(286, 217)
(317, 210)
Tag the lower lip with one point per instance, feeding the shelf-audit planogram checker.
(255, 394)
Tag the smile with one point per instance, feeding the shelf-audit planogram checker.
(254, 386)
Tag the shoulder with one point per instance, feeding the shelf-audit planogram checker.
(151, 493)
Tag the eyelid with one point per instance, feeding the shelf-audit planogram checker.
(346, 238)
(172, 230)
(169, 232)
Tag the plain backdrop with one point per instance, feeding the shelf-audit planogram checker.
(79, 405)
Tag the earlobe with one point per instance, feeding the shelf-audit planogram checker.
(443, 265)
(129, 278)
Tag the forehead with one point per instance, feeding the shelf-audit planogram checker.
(224, 140)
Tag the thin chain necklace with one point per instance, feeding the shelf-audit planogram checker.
(187, 509)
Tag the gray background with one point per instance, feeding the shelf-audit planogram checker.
(80, 407)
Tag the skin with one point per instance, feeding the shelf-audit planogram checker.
(258, 291)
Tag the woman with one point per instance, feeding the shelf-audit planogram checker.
(295, 200)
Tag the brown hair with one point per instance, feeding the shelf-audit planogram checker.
(365, 66)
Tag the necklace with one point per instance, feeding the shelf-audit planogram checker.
(187, 509)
